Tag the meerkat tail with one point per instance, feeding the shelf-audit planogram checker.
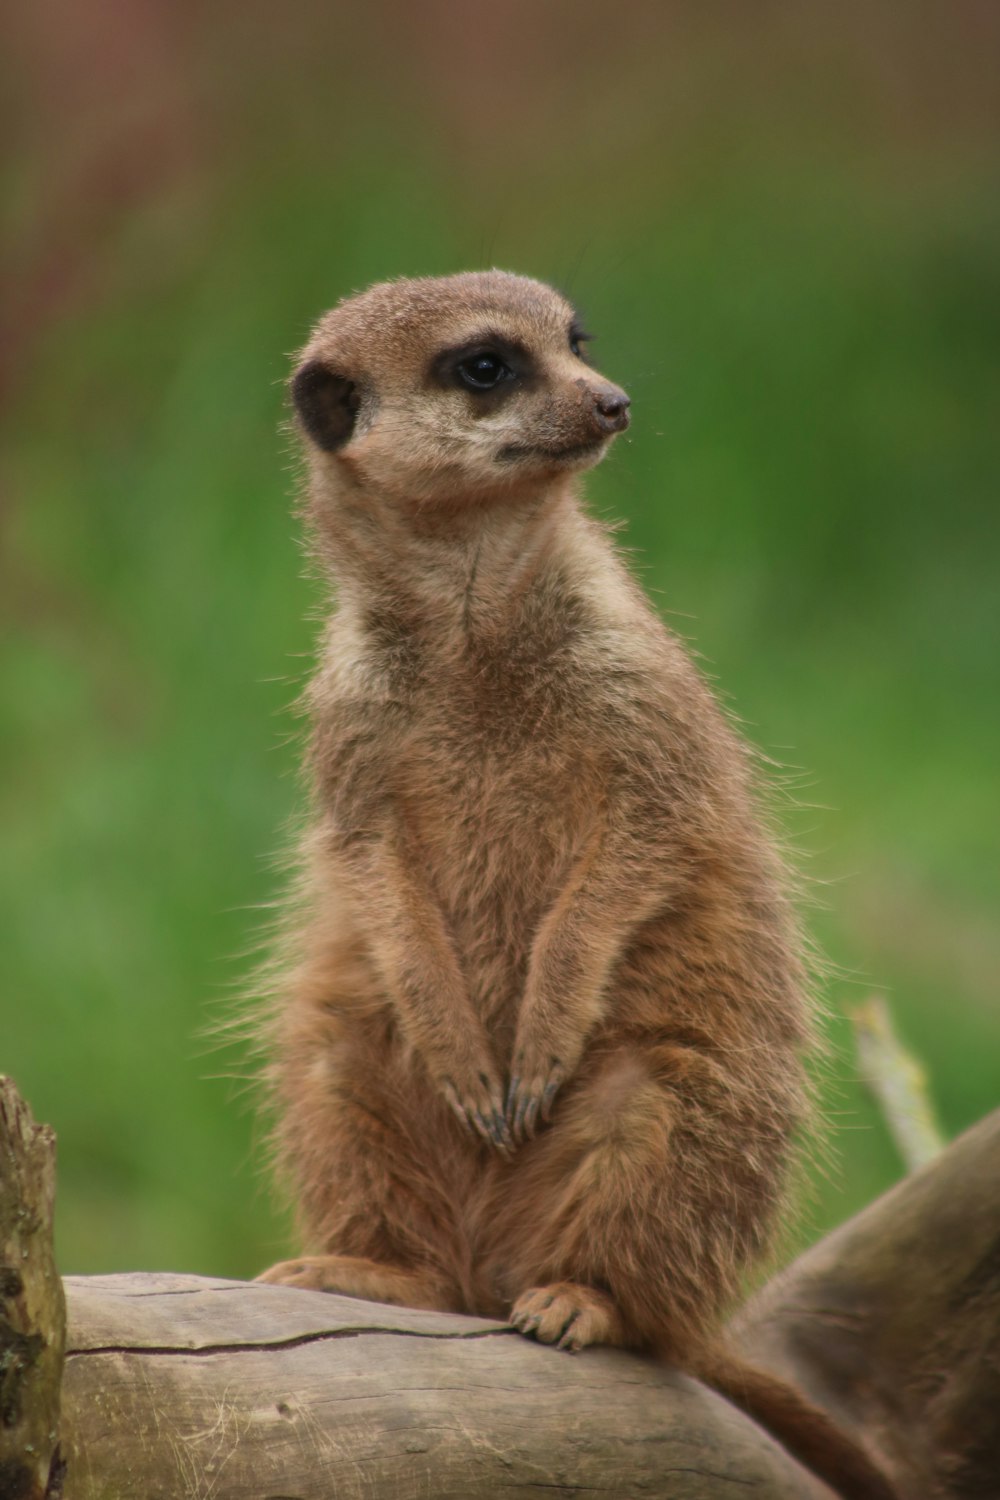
(807, 1432)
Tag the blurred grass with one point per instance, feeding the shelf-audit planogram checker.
(809, 488)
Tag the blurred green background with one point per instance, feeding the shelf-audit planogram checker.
(783, 223)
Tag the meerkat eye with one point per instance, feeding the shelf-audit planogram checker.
(577, 339)
(483, 372)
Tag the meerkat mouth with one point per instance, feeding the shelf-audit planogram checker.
(515, 452)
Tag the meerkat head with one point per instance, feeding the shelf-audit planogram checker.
(456, 390)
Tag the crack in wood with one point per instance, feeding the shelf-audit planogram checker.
(296, 1342)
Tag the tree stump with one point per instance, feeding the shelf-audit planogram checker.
(32, 1309)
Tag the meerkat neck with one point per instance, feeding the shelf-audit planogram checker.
(461, 565)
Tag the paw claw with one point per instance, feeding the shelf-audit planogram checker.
(548, 1098)
(567, 1339)
(513, 1090)
(482, 1118)
(530, 1099)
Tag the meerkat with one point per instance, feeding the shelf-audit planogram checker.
(537, 1046)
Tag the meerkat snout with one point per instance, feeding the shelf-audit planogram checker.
(612, 408)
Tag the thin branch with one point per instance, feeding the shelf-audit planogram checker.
(898, 1082)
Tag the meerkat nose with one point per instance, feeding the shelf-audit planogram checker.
(611, 410)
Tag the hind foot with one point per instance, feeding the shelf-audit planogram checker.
(568, 1315)
(354, 1276)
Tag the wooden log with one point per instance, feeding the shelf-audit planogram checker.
(32, 1309)
(181, 1386)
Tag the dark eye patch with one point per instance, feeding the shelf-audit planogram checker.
(487, 365)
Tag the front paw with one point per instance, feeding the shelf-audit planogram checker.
(533, 1087)
(478, 1103)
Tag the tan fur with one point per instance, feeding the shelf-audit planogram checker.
(539, 1048)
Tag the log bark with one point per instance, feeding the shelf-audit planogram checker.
(32, 1309)
(179, 1386)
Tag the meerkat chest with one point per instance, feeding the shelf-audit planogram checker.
(492, 759)
(502, 787)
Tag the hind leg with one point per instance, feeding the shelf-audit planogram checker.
(580, 1185)
(357, 1276)
(376, 1222)
(374, 1156)
(631, 1220)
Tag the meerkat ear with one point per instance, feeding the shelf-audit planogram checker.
(327, 404)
